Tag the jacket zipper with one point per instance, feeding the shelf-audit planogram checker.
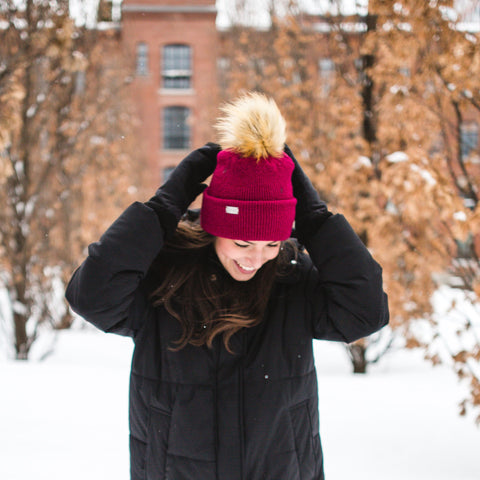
(242, 406)
(215, 401)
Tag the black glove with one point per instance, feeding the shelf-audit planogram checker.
(172, 199)
(310, 212)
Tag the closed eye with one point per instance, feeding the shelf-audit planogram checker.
(246, 245)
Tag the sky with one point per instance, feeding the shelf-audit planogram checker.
(256, 12)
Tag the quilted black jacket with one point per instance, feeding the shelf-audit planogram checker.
(207, 414)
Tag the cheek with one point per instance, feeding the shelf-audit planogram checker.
(272, 253)
(225, 252)
(221, 247)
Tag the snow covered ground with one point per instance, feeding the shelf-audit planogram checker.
(66, 417)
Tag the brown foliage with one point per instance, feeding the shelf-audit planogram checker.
(379, 132)
(64, 144)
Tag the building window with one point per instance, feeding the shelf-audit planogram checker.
(142, 59)
(326, 70)
(177, 66)
(405, 71)
(468, 138)
(465, 248)
(176, 128)
(223, 68)
(80, 82)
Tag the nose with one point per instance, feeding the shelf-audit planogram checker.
(256, 258)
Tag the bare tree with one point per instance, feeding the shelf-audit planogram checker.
(62, 125)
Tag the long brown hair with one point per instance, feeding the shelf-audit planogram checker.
(202, 296)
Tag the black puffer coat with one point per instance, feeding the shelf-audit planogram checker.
(206, 414)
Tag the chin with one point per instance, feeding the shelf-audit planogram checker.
(242, 277)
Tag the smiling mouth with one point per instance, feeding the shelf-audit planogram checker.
(243, 268)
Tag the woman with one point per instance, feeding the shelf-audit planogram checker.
(223, 314)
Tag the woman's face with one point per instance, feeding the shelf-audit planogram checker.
(242, 259)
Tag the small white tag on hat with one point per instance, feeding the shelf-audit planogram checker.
(231, 210)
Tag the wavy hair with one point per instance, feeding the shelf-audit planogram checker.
(201, 295)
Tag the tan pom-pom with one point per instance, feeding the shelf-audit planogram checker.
(252, 126)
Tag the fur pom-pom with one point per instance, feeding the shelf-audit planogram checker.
(252, 126)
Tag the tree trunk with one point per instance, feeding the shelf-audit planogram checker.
(21, 337)
(358, 356)
(65, 322)
(21, 310)
(369, 124)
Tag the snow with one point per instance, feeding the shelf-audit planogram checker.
(449, 13)
(31, 111)
(460, 216)
(66, 417)
(19, 307)
(427, 176)
(400, 421)
(397, 157)
(362, 161)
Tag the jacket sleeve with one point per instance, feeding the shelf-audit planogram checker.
(105, 289)
(344, 284)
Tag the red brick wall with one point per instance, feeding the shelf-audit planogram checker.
(171, 22)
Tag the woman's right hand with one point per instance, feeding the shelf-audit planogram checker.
(185, 183)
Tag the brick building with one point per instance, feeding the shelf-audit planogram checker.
(173, 46)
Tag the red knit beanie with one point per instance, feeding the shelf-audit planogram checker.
(250, 196)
